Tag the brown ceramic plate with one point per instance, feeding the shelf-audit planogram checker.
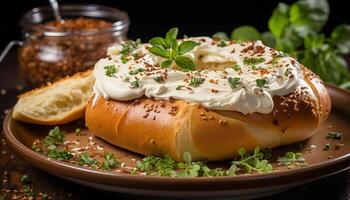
(20, 137)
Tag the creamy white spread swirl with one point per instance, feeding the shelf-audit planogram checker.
(260, 72)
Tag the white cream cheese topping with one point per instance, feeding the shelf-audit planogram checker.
(257, 74)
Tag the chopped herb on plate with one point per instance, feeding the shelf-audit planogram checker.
(334, 135)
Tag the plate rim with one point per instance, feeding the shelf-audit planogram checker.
(113, 178)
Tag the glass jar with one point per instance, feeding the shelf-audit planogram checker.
(52, 50)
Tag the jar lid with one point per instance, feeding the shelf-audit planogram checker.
(41, 15)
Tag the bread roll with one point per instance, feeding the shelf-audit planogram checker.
(58, 103)
(153, 127)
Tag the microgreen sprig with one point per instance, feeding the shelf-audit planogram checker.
(127, 48)
(334, 135)
(171, 50)
(254, 162)
(291, 158)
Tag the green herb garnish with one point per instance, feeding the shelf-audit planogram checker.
(59, 154)
(77, 131)
(109, 161)
(170, 49)
(254, 162)
(158, 79)
(327, 147)
(236, 67)
(222, 43)
(54, 138)
(287, 72)
(166, 166)
(334, 135)
(44, 196)
(234, 82)
(195, 81)
(50, 143)
(28, 191)
(24, 179)
(127, 48)
(253, 61)
(85, 159)
(137, 55)
(254, 67)
(136, 71)
(179, 87)
(134, 84)
(110, 70)
(292, 158)
(261, 82)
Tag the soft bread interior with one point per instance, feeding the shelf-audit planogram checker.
(57, 103)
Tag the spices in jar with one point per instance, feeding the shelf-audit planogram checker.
(56, 49)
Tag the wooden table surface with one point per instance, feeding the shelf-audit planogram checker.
(12, 167)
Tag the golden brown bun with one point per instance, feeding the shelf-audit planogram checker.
(57, 103)
(152, 127)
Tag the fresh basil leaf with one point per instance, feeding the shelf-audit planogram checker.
(314, 43)
(220, 36)
(245, 33)
(185, 62)
(290, 41)
(159, 51)
(309, 16)
(174, 45)
(172, 34)
(340, 66)
(279, 20)
(187, 46)
(158, 41)
(325, 62)
(268, 39)
(165, 63)
(340, 36)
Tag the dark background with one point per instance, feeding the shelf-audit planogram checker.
(150, 18)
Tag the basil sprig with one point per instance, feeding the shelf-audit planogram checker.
(170, 49)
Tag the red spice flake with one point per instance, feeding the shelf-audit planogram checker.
(259, 50)
(171, 99)
(263, 71)
(248, 48)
